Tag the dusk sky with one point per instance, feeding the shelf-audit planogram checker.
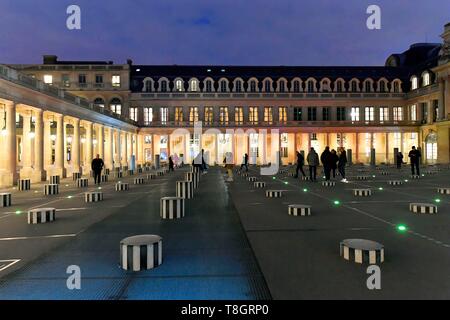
(245, 32)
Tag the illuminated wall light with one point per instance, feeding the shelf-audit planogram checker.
(4, 132)
(94, 142)
(83, 140)
(53, 137)
(69, 139)
(31, 135)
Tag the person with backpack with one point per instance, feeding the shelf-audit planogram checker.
(313, 162)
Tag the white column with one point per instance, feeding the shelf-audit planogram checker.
(26, 146)
(109, 149)
(88, 146)
(101, 141)
(59, 147)
(125, 149)
(8, 175)
(47, 144)
(39, 173)
(76, 146)
(119, 149)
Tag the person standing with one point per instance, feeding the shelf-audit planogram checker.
(333, 162)
(414, 158)
(171, 164)
(313, 162)
(342, 162)
(325, 158)
(229, 165)
(300, 164)
(399, 160)
(245, 163)
(97, 166)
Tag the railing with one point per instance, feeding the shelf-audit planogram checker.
(274, 124)
(14, 76)
(423, 91)
(87, 85)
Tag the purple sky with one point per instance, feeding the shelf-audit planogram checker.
(245, 32)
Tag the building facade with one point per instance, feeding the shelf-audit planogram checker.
(168, 110)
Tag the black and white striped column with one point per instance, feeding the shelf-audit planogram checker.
(306, 178)
(172, 208)
(122, 186)
(24, 184)
(54, 179)
(76, 176)
(160, 173)
(130, 172)
(422, 208)
(107, 172)
(6, 199)
(185, 189)
(384, 173)
(50, 189)
(142, 252)
(415, 176)
(362, 192)
(299, 210)
(139, 170)
(93, 196)
(104, 178)
(274, 193)
(444, 190)
(151, 176)
(82, 182)
(194, 177)
(362, 177)
(118, 174)
(251, 179)
(328, 183)
(139, 180)
(244, 174)
(395, 182)
(259, 184)
(362, 251)
(41, 215)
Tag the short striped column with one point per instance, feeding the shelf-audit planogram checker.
(41, 215)
(415, 176)
(146, 168)
(291, 174)
(130, 172)
(362, 192)
(54, 179)
(299, 210)
(122, 186)
(160, 173)
(194, 177)
(139, 180)
(274, 193)
(244, 174)
(139, 170)
(172, 208)
(306, 178)
(195, 169)
(395, 182)
(259, 184)
(362, 251)
(141, 252)
(51, 189)
(24, 184)
(328, 183)
(362, 177)
(384, 173)
(251, 179)
(422, 208)
(6, 199)
(82, 182)
(93, 196)
(443, 190)
(104, 178)
(151, 176)
(118, 174)
(76, 176)
(185, 189)
(107, 171)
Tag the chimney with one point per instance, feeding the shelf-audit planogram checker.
(50, 59)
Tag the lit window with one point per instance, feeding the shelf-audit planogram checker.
(414, 84)
(239, 115)
(398, 114)
(223, 115)
(268, 117)
(194, 85)
(148, 115)
(179, 114)
(282, 114)
(253, 115)
(133, 114)
(65, 79)
(355, 114)
(384, 114)
(164, 115)
(426, 79)
(209, 115)
(48, 79)
(413, 112)
(369, 114)
(178, 85)
(116, 81)
(116, 106)
(193, 114)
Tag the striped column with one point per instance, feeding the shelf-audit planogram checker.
(82, 182)
(76, 176)
(395, 182)
(6, 199)
(259, 184)
(151, 176)
(251, 179)
(362, 192)
(121, 186)
(422, 208)
(172, 208)
(93, 196)
(41, 215)
(139, 180)
(362, 251)
(299, 210)
(24, 184)
(328, 183)
(274, 193)
(51, 189)
(142, 252)
(194, 177)
(54, 179)
(443, 190)
(362, 177)
(185, 189)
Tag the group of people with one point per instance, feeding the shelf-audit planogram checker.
(331, 161)
(414, 158)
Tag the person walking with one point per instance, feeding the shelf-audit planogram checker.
(325, 158)
(399, 160)
(97, 166)
(245, 163)
(229, 165)
(414, 158)
(342, 162)
(333, 162)
(313, 162)
(171, 164)
(300, 164)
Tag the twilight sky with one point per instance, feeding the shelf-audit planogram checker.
(244, 32)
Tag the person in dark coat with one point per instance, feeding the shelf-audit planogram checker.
(342, 162)
(333, 162)
(171, 165)
(414, 158)
(300, 164)
(245, 163)
(325, 158)
(97, 166)
(399, 160)
(313, 162)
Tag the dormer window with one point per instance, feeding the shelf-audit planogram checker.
(414, 83)
(426, 79)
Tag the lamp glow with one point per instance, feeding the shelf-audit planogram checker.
(336, 202)
(402, 228)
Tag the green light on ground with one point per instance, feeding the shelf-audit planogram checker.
(286, 182)
(406, 180)
(336, 202)
(18, 212)
(437, 200)
(423, 175)
(402, 228)
(380, 188)
(273, 178)
(305, 190)
(373, 176)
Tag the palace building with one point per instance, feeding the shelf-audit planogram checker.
(57, 115)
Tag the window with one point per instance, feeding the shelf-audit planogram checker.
(48, 79)
(354, 86)
(193, 114)
(369, 114)
(413, 112)
(355, 114)
(116, 81)
(208, 87)
(340, 113)
(267, 86)
(193, 86)
(164, 115)
(268, 116)
(209, 115)
(414, 83)
(325, 86)
(223, 115)
(223, 86)
(396, 87)
(310, 85)
(431, 147)
(367, 86)
(164, 86)
(426, 79)
(116, 106)
(134, 114)
(382, 86)
(282, 114)
(178, 114)
(253, 115)
(297, 114)
(238, 86)
(98, 78)
(326, 113)
(99, 102)
(296, 86)
(398, 113)
(148, 85)
(239, 115)
(312, 113)
(148, 116)
(65, 79)
(384, 114)
(253, 86)
(81, 79)
(281, 86)
(339, 87)
(179, 85)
